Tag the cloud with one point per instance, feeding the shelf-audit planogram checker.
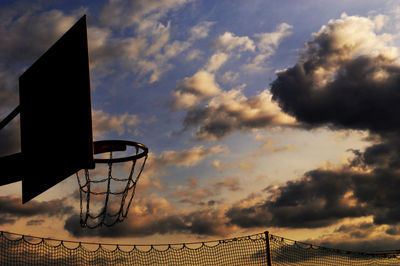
(157, 216)
(27, 32)
(140, 40)
(176, 48)
(200, 195)
(231, 110)
(10, 206)
(229, 42)
(35, 222)
(145, 53)
(156, 164)
(7, 220)
(374, 244)
(323, 197)
(230, 77)
(187, 158)
(319, 199)
(269, 145)
(258, 63)
(193, 195)
(360, 230)
(216, 61)
(347, 77)
(217, 114)
(232, 184)
(147, 217)
(194, 54)
(104, 123)
(117, 13)
(267, 45)
(361, 235)
(191, 91)
(26, 36)
(268, 42)
(201, 30)
(144, 49)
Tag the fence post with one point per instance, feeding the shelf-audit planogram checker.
(268, 249)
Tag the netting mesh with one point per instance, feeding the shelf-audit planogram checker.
(290, 252)
(248, 250)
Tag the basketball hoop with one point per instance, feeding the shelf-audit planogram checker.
(111, 197)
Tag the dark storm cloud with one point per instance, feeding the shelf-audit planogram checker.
(380, 244)
(347, 77)
(11, 205)
(203, 222)
(35, 222)
(356, 230)
(324, 197)
(384, 155)
(352, 100)
(7, 220)
(316, 200)
(158, 225)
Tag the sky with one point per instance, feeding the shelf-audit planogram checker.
(259, 115)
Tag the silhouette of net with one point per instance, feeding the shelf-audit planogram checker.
(289, 252)
(106, 200)
(17, 249)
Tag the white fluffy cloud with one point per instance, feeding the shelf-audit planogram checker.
(201, 30)
(145, 48)
(346, 76)
(229, 42)
(187, 157)
(104, 123)
(156, 164)
(231, 110)
(191, 91)
(201, 195)
(267, 45)
(216, 61)
(268, 42)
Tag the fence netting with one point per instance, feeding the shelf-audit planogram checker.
(18, 249)
(289, 252)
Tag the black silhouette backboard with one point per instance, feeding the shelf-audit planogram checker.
(55, 114)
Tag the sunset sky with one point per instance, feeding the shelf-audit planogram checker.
(259, 115)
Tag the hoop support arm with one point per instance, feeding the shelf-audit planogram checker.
(11, 168)
(10, 117)
(10, 165)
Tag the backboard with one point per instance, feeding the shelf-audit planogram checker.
(55, 114)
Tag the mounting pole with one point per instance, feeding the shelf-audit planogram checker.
(10, 165)
(10, 117)
(268, 248)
